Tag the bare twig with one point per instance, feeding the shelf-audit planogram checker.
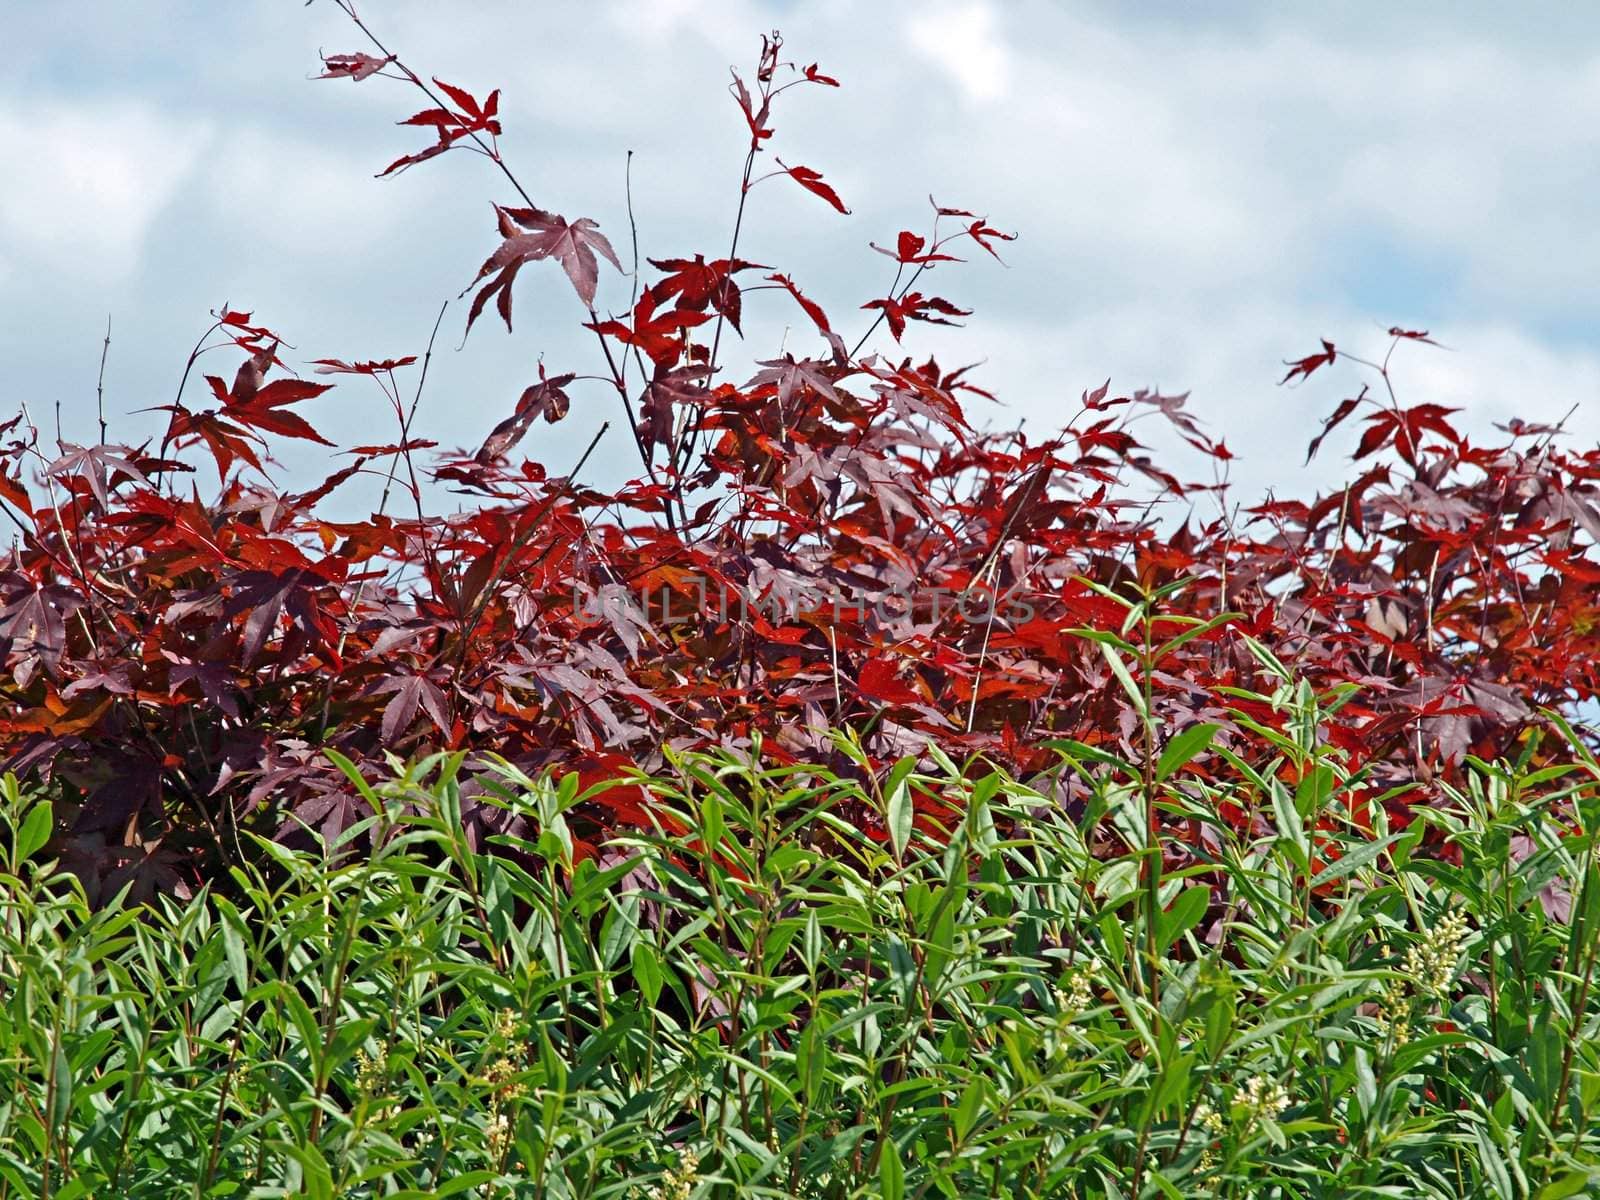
(100, 383)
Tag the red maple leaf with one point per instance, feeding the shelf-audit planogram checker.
(451, 126)
(12, 489)
(101, 467)
(665, 394)
(661, 337)
(1405, 427)
(914, 306)
(262, 407)
(814, 311)
(356, 66)
(531, 234)
(909, 250)
(879, 681)
(983, 234)
(1346, 407)
(336, 366)
(409, 693)
(756, 118)
(697, 284)
(812, 181)
(1304, 366)
(547, 399)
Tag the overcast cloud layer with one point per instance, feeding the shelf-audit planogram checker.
(1198, 196)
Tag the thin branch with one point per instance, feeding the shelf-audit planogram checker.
(100, 383)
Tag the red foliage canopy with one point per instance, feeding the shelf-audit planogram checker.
(828, 542)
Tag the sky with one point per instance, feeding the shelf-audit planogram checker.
(1200, 192)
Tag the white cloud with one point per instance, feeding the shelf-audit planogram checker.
(293, 194)
(1200, 193)
(88, 182)
(963, 40)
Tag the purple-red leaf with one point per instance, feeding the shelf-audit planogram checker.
(1304, 366)
(812, 181)
(531, 234)
(356, 66)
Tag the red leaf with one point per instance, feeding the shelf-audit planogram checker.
(1304, 366)
(940, 210)
(1381, 429)
(410, 160)
(547, 236)
(1416, 335)
(660, 337)
(285, 424)
(814, 311)
(756, 119)
(12, 490)
(879, 681)
(984, 234)
(410, 692)
(335, 366)
(441, 118)
(404, 447)
(812, 182)
(814, 76)
(908, 249)
(698, 283)
(545, 399)
(464, 99)
(356, 66)
(914, 306)
(286, 391)
(451, 126)
(1346, 407)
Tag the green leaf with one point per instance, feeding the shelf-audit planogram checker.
(35, 831)
(1185, 913)
(811, 942)
(1184, 747)
(646, 970)
(62, 1085)
(1193, 632)
(233, 939)
(1267, 659)
(1360, 857)
(811, 1058)
(1366, 1082)
(1220, 1021)
(1494, 1167)
(353, 774)
(1291, 832)
(898, 805)
(1125, 678)
(463, 1183)
(619, 929)
(891, 1173)
(1569, 1184)
(711, 824)
(967, 1108)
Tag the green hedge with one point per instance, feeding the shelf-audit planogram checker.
(985, 1004)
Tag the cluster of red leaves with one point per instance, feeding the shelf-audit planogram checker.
(788, 561)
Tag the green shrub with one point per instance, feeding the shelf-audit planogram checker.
(762, 1000)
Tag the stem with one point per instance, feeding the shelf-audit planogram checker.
(100, 383)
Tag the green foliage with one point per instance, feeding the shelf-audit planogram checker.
(759, 999)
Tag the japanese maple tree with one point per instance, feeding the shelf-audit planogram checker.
(812, 540)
